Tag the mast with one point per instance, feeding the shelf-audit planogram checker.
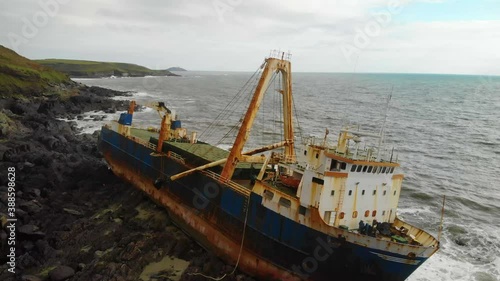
(272, 65)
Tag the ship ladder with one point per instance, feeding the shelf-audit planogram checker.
(341, 203)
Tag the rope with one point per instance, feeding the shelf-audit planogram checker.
(237, 125)
(239, 254)
(224, 115)
(228, 109)
(298, 120)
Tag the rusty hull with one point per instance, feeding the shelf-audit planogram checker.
(202, 230)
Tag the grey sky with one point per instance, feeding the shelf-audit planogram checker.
(424, 36)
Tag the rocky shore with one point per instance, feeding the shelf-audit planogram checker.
(75, 219)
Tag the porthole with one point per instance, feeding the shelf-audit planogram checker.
(383, 213)
(370, 168)
(365, 168)
(375, 192)
(332, 193)
(394, 192)
(359, 168)
(305, 152)
(385, 192)
(350, 192)
(317, 155)
(363, 192)
(353, 168)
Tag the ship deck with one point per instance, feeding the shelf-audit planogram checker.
(202, 150)
(211, 153)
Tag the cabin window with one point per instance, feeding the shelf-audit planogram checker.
(302, 210)
(363, 192)
(317, 155)
(383, 170)
(370, 168)
(375, 169)
(394, 192)
(343, 165)
(333, 165)
(353, 168)
(365, 168)
(367, 213)
(305, 152)
(318, 181)
(354, 214)
(374, 213)
(268, 194)
(350, 192)
(285, 202)
(341, 215)
(375, 192)
(385, 192)
(359, 168)
(332, 193)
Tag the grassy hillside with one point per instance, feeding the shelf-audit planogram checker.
(20, 76)
(95, 69)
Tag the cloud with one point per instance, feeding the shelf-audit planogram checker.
(237, 34)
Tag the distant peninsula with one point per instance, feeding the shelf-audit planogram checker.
(97, 69)
(176, 68)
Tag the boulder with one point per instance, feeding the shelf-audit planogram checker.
(45, 249)
(30, 232)
(31, 207)
(72, 212)
(30, 278)
(61, 273)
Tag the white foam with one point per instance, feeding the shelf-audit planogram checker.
(446, 267)
(88, 126)
(121, 98)
(225, 146)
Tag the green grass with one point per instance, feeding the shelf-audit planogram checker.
(82, 68)
(22, 78)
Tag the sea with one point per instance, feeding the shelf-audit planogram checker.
(443, 129)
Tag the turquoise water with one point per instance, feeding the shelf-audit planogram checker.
(445, 130)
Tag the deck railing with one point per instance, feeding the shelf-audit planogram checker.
(144, 142)
(237, 187)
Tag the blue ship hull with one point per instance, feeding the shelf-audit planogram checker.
(283, 248)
